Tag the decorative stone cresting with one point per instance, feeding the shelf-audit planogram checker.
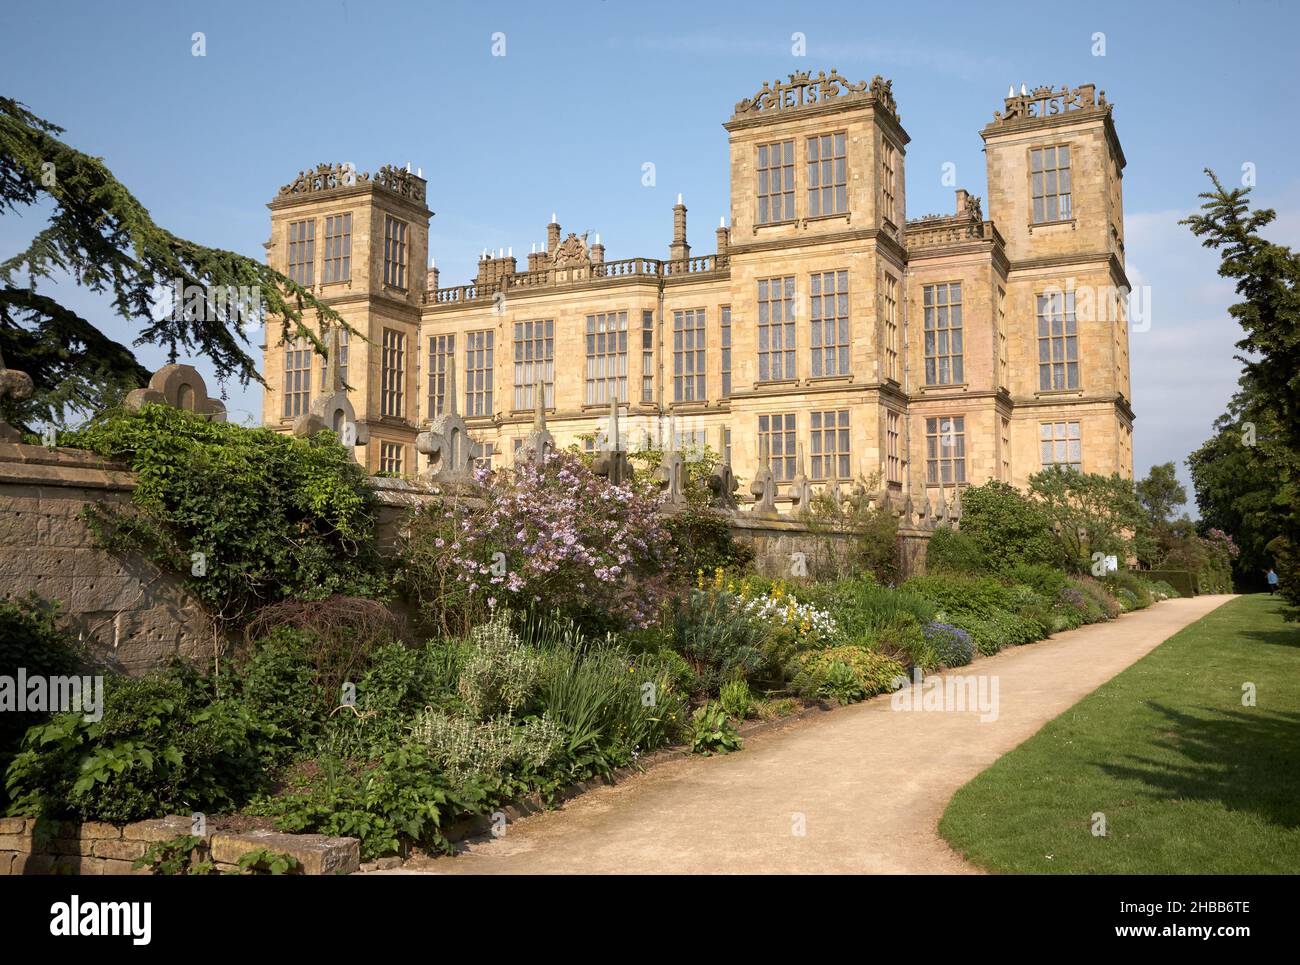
(181, 387)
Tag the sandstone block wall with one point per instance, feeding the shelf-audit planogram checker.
(29, 846)
(131, 616)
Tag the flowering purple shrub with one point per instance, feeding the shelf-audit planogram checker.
(552, 537)
(951, 644)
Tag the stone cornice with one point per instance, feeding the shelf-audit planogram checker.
(1111, 260)
(882, 238)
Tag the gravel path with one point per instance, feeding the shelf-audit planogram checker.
(866, 784)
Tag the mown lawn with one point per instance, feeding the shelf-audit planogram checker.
(1190, 781)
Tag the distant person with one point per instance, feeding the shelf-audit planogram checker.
(1272, 580)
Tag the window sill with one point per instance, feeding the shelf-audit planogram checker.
(946, 387)
(1072, 222)
(822, 379)
(1050, 393)
(843, 215)
(786, 223)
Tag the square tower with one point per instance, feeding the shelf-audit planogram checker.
(1055, 171)
(359, 243)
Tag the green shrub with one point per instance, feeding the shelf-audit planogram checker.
(276, 685)
(904, 640)
(1160, 590)
(1046, 580)
(1007, 528)
(718, 639)
(273, 516)
(500, 673)
(610, 706)
(401, 800)
(712, 731)
(861, 606)
(163, 745)
(1136, 587)
(736, 699)
(1098, 594)
(30, 639)
(821, 674)
(1126, 598)
(954, 551)
(998, 629)
(952, 594)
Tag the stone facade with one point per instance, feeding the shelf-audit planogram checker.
(818, 196)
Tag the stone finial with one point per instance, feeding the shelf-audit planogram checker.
(954, 511)
(447, 442)
(181, 387)
(539, 442)
(612, 463)
(924, 511)
(17, 386)
(800, 490)
(722, 481)
(333, 355)
(333, 411)
(763, 487)
(670, 476)
(941, 507)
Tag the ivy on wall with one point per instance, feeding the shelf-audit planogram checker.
(244, 516)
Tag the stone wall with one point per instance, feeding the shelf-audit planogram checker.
(131, 616)
(30, 846)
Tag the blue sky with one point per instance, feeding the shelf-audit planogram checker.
(589, 91)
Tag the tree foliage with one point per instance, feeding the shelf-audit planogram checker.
(1090, 513)
(1256, 490)
(101, 236)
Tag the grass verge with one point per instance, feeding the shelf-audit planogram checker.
(1187, 775)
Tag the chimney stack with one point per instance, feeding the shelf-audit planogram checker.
(597, 251)
(724, 236)
(552, 235)
(431, 280)
(679, 250)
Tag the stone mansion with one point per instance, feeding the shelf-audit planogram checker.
(826, 326)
